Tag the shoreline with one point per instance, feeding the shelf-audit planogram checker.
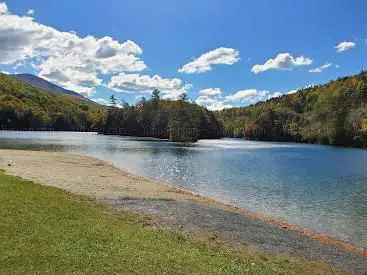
(322, 237)
(107, 183)
(284, 224)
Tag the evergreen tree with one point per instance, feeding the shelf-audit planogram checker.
(113, 101)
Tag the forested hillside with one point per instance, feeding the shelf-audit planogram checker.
(45, 85)
(23, 106)
(335, 114)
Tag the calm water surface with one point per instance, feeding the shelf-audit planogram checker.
(318, 187)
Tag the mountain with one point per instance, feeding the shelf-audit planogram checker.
(332, 114)
(45, 85)
(25, 106)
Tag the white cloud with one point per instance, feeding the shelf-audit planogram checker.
(292, 91)
(218, 106)
(274, 95)
(242, 95)
(64, 58)
(204, 100)
(321, 68)
(4, 72)
(252, 96)
(175, 93)
(283, 61)
(296, 90)
(3, 8)
(30, 12)
(126, 83)
(101, 101)
(241, 98)
(211, 98)
(344, 46)
(83, 90)
(249, 96)
(205, 62)
(210, 92)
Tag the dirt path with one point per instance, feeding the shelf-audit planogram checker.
(176, 209)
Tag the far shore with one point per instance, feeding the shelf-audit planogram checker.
(106, 183)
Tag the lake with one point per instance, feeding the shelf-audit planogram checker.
(318, 187)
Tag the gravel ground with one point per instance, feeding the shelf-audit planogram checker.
(196, 217)
(176, 209)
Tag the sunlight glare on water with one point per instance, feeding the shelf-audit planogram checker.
(318, 187)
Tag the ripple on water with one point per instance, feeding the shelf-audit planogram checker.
(322, 188)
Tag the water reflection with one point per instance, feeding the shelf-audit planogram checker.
(322, 188)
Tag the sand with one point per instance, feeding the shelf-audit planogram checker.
(177, 209)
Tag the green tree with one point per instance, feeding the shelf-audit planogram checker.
(183, 97)
(155, 95)
(113, 101)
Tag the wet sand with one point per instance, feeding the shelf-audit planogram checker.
(179, 210)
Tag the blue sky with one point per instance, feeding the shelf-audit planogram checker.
(236, 52)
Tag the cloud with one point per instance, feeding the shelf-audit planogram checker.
(212, 99)
(204, 100)
(283, 61)
(30, 12)
(296, 90)
(205, 62)
(345, 46)
(64, 58)
(242, 95)
(4, 72)
(252, 96)
(210, 92)
(321, 68)
(3, 8)
(101, 101)
(218, 106)
(249, 96)
(292, 91)
(84, 91)
(241, 98)
(127, 83)
(275, 95)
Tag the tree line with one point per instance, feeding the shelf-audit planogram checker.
(176, 120)
(25, 107)
(332, 114)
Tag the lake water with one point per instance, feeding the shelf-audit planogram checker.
(317, 187)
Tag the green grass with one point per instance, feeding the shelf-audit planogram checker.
(46, 230)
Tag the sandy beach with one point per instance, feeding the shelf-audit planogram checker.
(175, 209)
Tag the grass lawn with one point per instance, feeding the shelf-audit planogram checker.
(46, 230)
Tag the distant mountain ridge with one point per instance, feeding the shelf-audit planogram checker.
(25, 106)
(45, 85)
